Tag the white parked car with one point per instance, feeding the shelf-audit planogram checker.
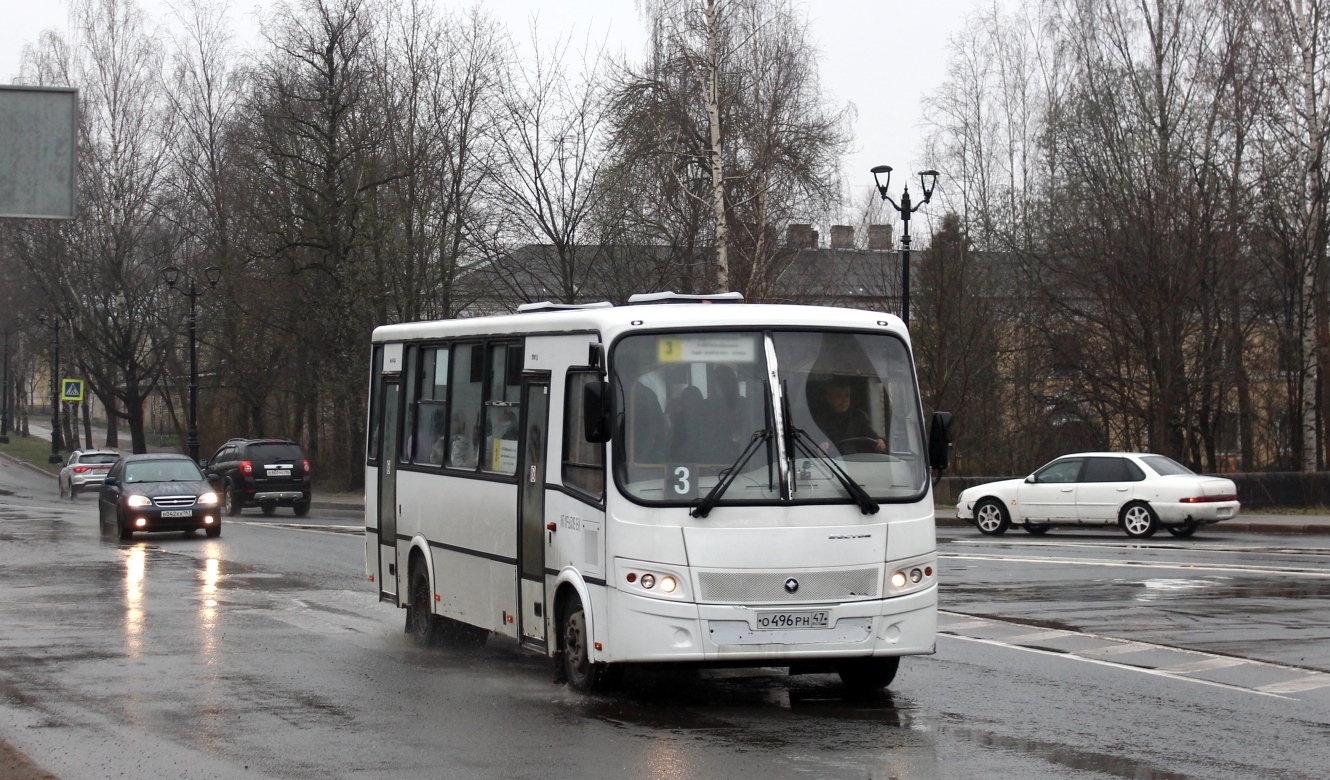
(1138, 492)
(85, 469)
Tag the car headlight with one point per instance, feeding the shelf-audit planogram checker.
(138, 501)
(208, 499)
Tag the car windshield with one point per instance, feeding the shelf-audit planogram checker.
(690, 403)
(162, 471)
(1165, 467)
(99, 457)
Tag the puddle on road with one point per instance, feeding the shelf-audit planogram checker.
(1059, 755)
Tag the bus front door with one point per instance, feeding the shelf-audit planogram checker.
(387, 509)
(531, 510)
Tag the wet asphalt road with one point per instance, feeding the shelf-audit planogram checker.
(264, 654)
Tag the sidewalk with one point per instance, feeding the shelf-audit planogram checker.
(1245, 522)
(350, 502)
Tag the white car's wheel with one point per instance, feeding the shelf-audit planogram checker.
(991, 517)
(1139, 521)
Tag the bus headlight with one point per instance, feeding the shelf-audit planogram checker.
(652, 579)
(911, 575)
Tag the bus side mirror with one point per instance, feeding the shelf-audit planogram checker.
(939, 441)
(596, 411)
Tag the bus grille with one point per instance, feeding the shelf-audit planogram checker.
(720, 587)
(175, 501)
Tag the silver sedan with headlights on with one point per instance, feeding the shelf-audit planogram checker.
(1138, 492)
(158, 492)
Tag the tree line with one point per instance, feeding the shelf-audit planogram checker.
(1129, 235)
(1138, 257)
(368, 162)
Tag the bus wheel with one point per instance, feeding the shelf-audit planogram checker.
(863, 675)
(578, 668)
(420, 624)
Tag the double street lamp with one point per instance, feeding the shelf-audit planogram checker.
(52, 321)
(171, 275)
(927, 180)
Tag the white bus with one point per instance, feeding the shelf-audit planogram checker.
(684, 479)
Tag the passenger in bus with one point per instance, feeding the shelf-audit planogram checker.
(725, 422)
(648, 429)
(440, 439)
(846, 427)
(507, 427)
(463, 449)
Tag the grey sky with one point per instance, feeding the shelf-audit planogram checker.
(880, 55)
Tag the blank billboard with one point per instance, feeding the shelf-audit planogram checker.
(38, 151)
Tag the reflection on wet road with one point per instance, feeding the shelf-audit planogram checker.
(263, 654)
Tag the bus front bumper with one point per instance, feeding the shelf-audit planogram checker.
(647, 630)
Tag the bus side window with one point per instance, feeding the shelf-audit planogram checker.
(583, 462)
(467, 406)
(376, 394)
(503, 409)
(431, 416)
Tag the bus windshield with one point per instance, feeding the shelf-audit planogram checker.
(690, 404)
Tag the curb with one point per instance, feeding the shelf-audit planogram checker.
(28, 466)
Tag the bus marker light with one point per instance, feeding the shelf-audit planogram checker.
(648, 581)
(371, 578)
(631, 577)
(598, 646)
(928, 571)
(898, 580)
(668, 584)
(437, 597)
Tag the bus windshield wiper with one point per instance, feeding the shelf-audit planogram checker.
(703, 506)
(802, 441)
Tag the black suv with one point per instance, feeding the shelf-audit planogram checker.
(266, 473)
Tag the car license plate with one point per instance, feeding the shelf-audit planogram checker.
(177, 512)
(279, 472)
(770, 621)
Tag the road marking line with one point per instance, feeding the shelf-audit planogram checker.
(1308, 679)
(1126, 667)
(1121, 647)
(1228, 549)
(963, 626)
(1298, 686)
(1038, 636)
(1204, 666)
(1171, 566)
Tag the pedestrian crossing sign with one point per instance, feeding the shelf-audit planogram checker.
(71, 389)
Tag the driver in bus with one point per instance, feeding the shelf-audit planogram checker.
(847, 427)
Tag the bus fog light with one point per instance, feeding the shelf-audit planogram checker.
(916, 575)
(668, 584)
(648, 581)
(898, 580)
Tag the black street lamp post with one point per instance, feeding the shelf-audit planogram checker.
(171, 275)
(927, 180)
(4, 394)
(53, 322)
